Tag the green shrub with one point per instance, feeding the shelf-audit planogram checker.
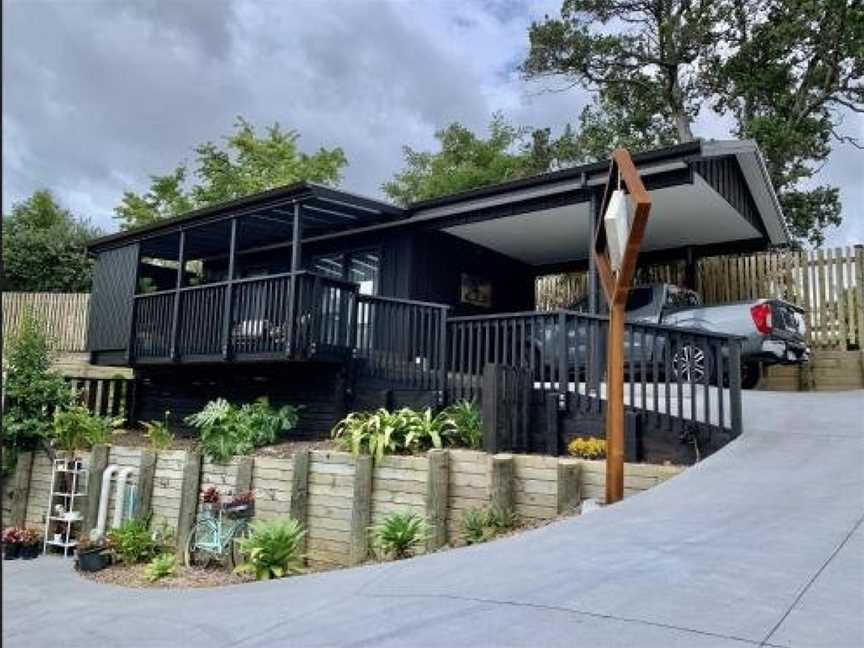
(133, 542)
(399, 535)
(463, 424)
(587, 447)
(159, 433)
(75, 428)
(161, 566)
(227, 429)
(480, 525)
(33, 392)
(384, 432)
(272, 549)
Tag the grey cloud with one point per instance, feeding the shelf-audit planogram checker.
(100, 94)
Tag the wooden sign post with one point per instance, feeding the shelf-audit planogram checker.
(616, 246)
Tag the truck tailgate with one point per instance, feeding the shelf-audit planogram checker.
(788, 319)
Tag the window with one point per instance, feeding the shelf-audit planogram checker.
(361, 267)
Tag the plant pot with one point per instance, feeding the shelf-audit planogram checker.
(29, 552)
(93, 560)
(11, 551)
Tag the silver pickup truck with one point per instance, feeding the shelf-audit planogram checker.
(773, 329)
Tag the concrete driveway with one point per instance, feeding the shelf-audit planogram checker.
(762, 544)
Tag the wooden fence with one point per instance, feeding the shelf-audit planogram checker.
(63, 316)
(827, 283)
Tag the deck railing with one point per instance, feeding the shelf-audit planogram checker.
(678, 376)
(403, 340)
(253, 318)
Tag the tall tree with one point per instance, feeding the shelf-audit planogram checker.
(780, 68)
(44, 247)
(795, 66)
(247, 164)
(467, 161)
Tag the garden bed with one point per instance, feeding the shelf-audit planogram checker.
(283, 449)
(186, 577)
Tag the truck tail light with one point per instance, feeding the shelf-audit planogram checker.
(761, 314)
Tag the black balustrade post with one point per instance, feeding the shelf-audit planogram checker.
(562, 358)
(175, 316)
(735, 385)
(229, 294)
(442, 356)
(130, 346)
(297, 232)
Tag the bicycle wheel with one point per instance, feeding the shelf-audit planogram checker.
(234, 555)
(193, 554)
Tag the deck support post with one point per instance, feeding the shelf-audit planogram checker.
(229, 291)
(175, 316)
(296, 234)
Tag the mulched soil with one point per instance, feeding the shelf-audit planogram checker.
(185, 577)
(282, 449)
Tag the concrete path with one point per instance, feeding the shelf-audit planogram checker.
(762, 545)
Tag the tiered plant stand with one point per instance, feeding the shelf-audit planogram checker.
(67, 492)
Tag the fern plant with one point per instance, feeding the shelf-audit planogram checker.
(480, 525)
(133, 542)
(227, 430)
(399, 535)
(273, 549)
(161, 566)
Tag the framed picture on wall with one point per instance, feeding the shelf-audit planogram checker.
(476, 291)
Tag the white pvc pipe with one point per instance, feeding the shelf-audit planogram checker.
(102, 518)
(120, 496)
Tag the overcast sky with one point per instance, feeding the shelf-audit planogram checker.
(98, 95)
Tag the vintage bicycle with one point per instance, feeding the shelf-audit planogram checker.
(215, 533)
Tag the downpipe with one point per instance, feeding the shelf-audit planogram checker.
(120, 496)
(107, 475)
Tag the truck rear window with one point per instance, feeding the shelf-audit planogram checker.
(640, 298)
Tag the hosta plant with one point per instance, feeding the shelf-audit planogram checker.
(399, 535)
(273, 549)
(462, 424)
(384, 432)
(161, 566)
(480, 525)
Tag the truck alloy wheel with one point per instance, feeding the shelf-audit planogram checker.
(690, 364)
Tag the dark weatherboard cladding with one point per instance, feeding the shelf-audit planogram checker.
(111, 299)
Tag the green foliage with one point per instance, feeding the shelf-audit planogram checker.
(75, 428)
(384, 432)
(480, 525)
(272, 549)
(463, 424)
(782, 70)
(399, 535)
(132, 541)
(227, 429)
(247, 164)
(158, 433)
(587, 447)
(33, 391)
(161, 566)
(467, 161)
(44, 247)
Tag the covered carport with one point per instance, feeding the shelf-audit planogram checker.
(708, 198)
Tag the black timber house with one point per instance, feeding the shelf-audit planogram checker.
(316, 296)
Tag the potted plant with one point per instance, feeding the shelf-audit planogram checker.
(210, 499)
(92, 555)
(31, 544)
(11, 543)
(241, 505)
